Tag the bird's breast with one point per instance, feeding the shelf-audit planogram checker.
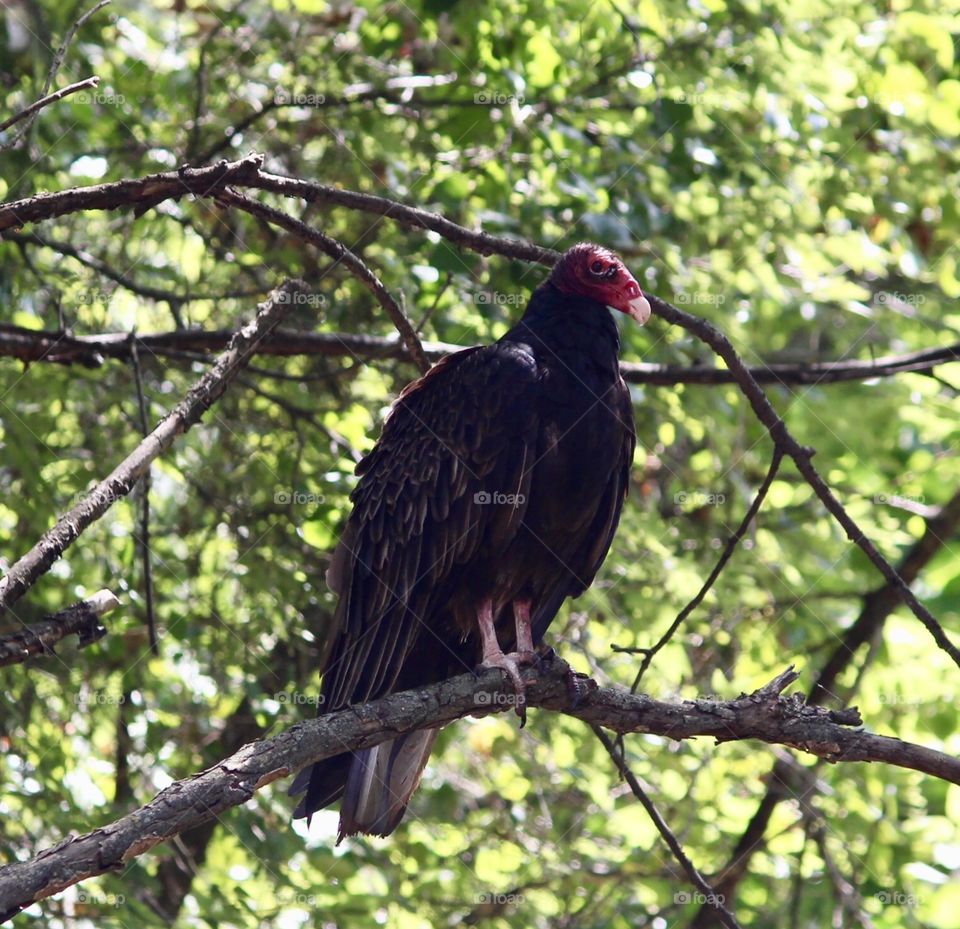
(583, 434)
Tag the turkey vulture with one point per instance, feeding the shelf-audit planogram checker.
(491, 496)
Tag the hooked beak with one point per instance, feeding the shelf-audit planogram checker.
(634, 303)
(639, 309)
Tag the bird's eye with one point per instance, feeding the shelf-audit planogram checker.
(597, 267)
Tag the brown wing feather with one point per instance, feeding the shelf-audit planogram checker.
(603, 528)
(462, 429)
(590, 541)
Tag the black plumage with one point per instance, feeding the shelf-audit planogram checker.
(492, 495)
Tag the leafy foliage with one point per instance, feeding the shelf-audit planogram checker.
(788, 170)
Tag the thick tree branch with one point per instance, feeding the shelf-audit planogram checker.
(92, 350)
(143, 193)
(25, 572)
(765, 715)
(81, 619)
(140, 193)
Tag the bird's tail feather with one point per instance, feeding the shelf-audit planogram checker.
(376, 784)
(322, 783)
(381, 782)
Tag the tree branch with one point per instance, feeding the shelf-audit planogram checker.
(877, 606)
(340, 255)
(124, 280)
(91, 350)
(81, 619)
(715, 901)
(650, 653)
(140, 193)
(47, 100)
(765, 715)
(55, 66)
(412, 217)
(25, 572)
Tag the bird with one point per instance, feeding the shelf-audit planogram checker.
(491, 496)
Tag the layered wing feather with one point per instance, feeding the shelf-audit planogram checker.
(590, 542)
(423, 507)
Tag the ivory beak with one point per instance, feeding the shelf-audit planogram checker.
(639, 309)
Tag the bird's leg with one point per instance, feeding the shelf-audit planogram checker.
(521, 616)
(526, 654)
(493, 656)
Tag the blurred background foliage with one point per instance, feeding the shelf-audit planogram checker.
(788, 170)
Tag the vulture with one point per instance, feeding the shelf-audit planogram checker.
(492, 495)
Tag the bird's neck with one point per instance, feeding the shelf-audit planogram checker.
(576, 329)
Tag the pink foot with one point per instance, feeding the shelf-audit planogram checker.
(510, 664)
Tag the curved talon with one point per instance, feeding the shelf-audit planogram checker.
(510, 665)
(526, 659)
(577, 688)
(524, 655)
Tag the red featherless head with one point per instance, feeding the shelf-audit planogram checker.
(589, 270)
